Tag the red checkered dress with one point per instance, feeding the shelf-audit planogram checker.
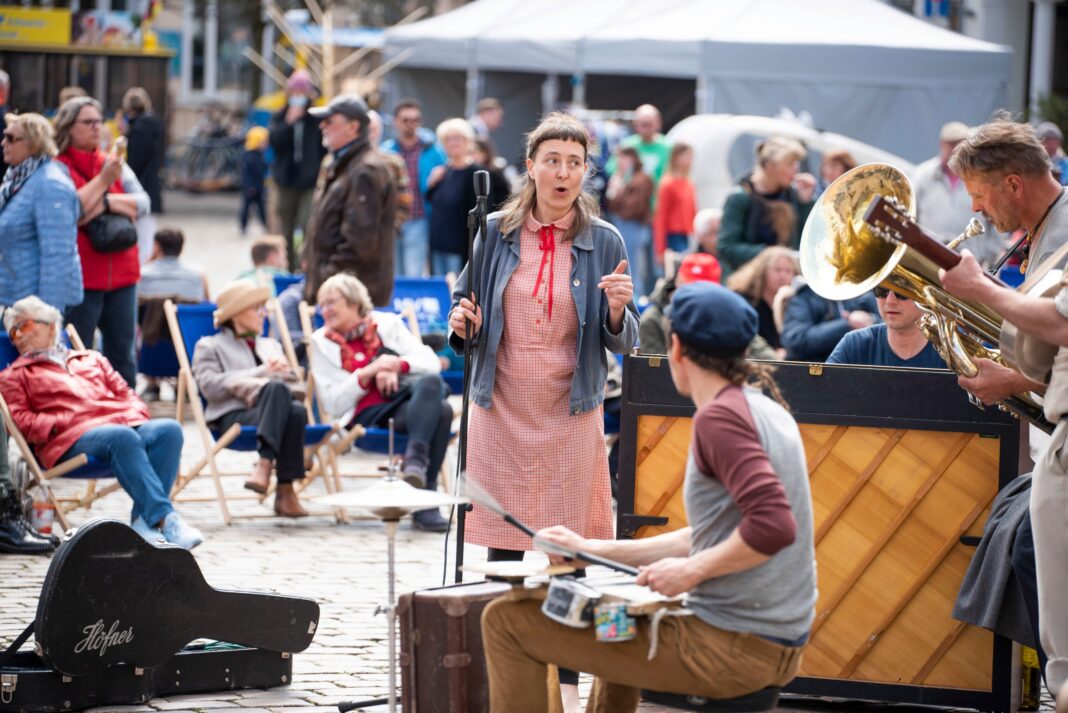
(543, 464)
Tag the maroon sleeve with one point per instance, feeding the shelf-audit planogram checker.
(727, 447)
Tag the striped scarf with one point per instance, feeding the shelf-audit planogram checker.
(17, 175)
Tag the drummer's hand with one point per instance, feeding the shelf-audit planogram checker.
(967, 279)
(464, 311)
(560, 535)
(995, 382)
(670, 576)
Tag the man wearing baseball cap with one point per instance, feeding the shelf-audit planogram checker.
(352, 224)
(746, 563)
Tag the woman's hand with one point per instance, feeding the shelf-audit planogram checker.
(805, 185)
(463, 312)
(387, 382)
(387, 362)
(436, 174)
(111, 171)
(619, 289)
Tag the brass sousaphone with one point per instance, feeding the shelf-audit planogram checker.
(843, 257)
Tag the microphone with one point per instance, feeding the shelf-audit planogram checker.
(482, 180)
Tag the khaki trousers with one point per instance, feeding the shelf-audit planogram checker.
(1049, 522)
(692, 658)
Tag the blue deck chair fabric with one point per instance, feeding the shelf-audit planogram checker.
(429, 298)
(281, 282)
(196, 321)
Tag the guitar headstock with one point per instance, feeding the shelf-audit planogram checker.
(888, 219)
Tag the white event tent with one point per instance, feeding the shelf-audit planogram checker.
(859, 67)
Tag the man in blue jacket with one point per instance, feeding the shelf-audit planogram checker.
(421, 155)
(813, 325)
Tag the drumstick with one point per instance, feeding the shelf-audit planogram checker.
(477, 493)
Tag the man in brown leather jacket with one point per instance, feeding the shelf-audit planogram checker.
(352, 224)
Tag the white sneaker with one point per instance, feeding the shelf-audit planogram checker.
(178, 532)
(151, 535)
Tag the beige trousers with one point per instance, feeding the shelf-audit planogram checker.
(1049, 520)
(692, 658)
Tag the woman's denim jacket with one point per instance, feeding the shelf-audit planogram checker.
(594, 253)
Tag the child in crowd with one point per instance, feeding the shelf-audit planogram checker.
(253, 176)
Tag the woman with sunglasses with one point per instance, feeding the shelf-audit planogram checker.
(38, 218)
(105, 184)
(896, 342)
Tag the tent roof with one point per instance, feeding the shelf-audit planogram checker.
(669, 38)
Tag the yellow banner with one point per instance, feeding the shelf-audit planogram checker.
(34, 26)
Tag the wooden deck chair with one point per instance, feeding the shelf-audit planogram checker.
(187, 324)
(78, 467)
(373, 440)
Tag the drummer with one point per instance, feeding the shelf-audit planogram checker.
(746, 564)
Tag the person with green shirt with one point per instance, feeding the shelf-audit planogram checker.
(654, 151)
(769, 206)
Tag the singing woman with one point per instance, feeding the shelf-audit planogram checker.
(554, 291)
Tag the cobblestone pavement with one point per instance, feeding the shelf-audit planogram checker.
(343, 567)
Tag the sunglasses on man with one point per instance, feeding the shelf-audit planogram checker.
(882, 293)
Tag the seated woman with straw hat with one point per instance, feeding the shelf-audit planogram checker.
(245, 379)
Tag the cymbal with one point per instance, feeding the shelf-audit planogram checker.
(390, 499)
(516, 571)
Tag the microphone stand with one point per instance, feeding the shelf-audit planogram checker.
(476, 225)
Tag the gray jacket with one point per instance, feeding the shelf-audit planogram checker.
(594, 254)
(227, 374)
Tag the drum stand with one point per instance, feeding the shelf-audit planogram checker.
(390, 499)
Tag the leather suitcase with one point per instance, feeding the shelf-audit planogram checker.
(443, 666)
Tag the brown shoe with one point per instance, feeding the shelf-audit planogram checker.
(286, 503)
(261, 477)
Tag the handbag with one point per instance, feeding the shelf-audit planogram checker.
(111, 232)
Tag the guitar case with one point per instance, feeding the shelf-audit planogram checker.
(115, 620)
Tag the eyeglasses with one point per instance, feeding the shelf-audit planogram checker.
(90, 122)
(12, 139)
(882, 293)
(24, 323)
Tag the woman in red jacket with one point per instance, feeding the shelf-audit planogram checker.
(105, 184)
(676, 205)
(67, 403)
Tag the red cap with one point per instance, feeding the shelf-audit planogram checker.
(698, 267)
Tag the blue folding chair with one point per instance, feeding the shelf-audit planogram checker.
(428, 299)
(187, 324)
(80, 467)
(281, 282)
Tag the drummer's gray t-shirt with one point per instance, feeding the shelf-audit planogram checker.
(747, 471)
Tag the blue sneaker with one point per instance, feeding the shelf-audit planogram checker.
(178, 532)
(151, 535)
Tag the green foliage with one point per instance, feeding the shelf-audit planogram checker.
(1054, 107)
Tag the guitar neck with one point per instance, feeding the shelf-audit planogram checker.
(888, 217)
(263, 621)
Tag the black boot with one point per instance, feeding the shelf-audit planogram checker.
(416, 457)
(429, 521)
(17, 535)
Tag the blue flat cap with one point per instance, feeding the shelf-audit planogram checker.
(713, 319)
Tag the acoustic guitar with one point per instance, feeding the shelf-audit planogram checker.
(110, 597)
(1028, 353)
